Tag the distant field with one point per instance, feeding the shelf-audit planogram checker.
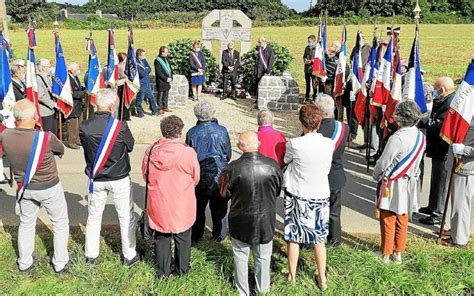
(445, 49)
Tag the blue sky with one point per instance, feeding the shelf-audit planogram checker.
(298, 5)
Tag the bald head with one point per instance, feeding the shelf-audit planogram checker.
(444, 86)
(248, 142)
(25, 114)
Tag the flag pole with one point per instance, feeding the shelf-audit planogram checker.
(60, 120)
(367, 116)
(88, 100)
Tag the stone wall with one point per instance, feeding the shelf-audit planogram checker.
(278, 93)
(179, 91)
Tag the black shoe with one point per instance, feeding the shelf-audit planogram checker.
(64, 270)
(133, 261)
(426, 211)
(90, 261)
(27, 270)
(431, 220)
(74, 147)
(140, 115)
(4, 181)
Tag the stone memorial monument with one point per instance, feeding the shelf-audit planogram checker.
(226, 31)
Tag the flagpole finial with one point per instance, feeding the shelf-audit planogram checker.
(56, 26)
(417, 11)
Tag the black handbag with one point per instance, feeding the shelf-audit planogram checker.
(144, 221)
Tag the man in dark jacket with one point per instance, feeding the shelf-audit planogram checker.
(18, 78)
(145, 92)
(230, 66)
(308, 58)
(113, 177)
(264, 57)
(212, 144)
(437, 150)
(78, 95)
(163, 76)
(337, 176)
(253, 183)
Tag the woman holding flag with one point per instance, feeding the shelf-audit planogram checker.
(398, 172)
(197, 69)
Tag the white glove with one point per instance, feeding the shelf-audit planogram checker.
(458, 149)
(352, 97)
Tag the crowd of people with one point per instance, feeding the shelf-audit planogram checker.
(186, 173)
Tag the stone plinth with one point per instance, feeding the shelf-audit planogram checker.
(278, 93)
(179, 91)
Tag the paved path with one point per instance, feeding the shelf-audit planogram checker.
(358, 195)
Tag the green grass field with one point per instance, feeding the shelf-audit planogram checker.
(352, 270)
(445, 49)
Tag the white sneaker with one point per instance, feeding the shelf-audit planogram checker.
(385, 259)
(397, 257)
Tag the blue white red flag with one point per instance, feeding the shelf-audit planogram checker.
(357, 74)
(31, 82)
(7, 96)
(112, 61)
(35, 160)
(459, 117)
(383, 83)
(132, 84)
(319, 61)
(413, 88)
(61, 84)
(95, 79)
(340, 78)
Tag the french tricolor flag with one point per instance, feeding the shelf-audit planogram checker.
(95, 79)
(7, 97)
(357, 75)
(31, 82)
(340, 79)
(61, 84)
(319, 61)
(383, 84)
(461, 110)
(413, 88)
(112, 61)
(132, 84)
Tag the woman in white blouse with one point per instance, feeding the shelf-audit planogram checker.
(308, 160)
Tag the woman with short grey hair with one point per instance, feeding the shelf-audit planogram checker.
(398, 173)
(204, 110)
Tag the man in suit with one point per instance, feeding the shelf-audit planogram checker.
(18, 77)
(308, 57)
(78, 95)
(47, 103)
(230, 65)
(264, 57)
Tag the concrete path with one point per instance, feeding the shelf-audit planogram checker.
(358, 195)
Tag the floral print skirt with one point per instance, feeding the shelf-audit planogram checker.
(306, 220)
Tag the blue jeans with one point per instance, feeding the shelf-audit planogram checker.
(146, 92)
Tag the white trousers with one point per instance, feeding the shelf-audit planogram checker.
(53, 200)
(463, 192)
(123, 200)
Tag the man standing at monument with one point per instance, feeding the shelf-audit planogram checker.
(264, 57)
(230, 65)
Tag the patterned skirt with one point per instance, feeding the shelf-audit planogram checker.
(306, 220)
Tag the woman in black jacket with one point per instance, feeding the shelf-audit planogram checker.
(163, 76)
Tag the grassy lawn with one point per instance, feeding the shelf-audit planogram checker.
(352, 269)
(445, 49)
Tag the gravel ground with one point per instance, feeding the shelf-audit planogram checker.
(236, 116)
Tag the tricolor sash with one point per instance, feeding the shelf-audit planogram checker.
(35, 160)
(165, 65)
(400, 169)
(196, 59)
(338, 134)
(105, 147)
(262, 58)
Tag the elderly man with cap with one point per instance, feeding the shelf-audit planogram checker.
(253, 183)
(47, 103)
(109, 176)
(78, 95)
(437, 150)
(39, 185)
(339, 133)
